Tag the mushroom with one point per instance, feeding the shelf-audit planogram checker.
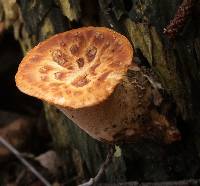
(89, 74)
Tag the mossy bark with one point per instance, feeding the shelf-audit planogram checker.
(176, 62)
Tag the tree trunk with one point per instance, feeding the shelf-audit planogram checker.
(176, 62)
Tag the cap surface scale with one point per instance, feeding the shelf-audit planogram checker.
(77, 68)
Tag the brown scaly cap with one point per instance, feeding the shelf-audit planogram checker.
(77, 68)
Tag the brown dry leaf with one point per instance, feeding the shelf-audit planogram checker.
(15, 129)
(50, 161)
(2, 27)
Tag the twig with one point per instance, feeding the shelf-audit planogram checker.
(20, 176)
(102, 169)
(179, 19)
(25, 162)
(167, 183)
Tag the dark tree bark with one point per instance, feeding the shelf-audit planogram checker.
(176, 62)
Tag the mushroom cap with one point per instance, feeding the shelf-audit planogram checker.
(77, 68)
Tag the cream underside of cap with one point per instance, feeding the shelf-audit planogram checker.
(75, 69)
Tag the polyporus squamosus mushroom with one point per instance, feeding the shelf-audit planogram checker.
(88, 73)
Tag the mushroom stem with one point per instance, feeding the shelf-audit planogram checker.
(128, 114)
(102, 169)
